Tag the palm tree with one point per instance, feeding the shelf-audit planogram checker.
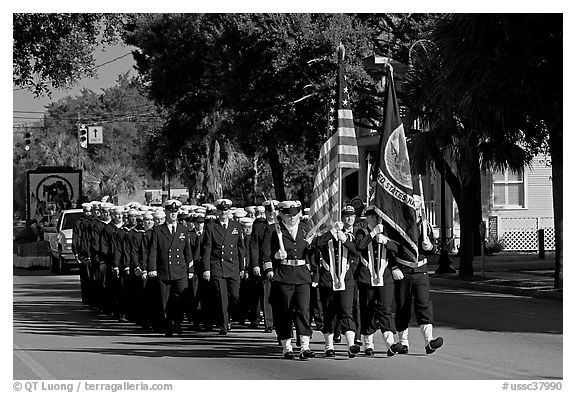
(455, 87)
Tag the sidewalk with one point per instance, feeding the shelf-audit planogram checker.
(516, 274)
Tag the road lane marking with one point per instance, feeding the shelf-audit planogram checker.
(32, 364)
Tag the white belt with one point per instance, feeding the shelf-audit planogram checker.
(293, 262)
(413, 265)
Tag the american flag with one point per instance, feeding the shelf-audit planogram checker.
(339, 151)
(394, 192)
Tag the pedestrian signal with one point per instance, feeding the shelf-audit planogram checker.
(83, 135)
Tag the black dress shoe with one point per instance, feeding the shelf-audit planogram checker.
(434, 345)
(403, 350)
(289, 355)
(178, 330)
(268, 330)
(394, 349)
(307, 354)
(253, 325)
(369, 352)
(353, 350)
(337, 340)
(223, 332)
(208, 328)
(168, 333)
(330, 353)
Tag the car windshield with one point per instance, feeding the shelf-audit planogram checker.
(70, 219)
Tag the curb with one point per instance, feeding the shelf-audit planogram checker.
(478, 286)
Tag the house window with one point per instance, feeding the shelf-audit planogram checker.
(508, 189)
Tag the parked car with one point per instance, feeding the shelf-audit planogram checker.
(60, 238)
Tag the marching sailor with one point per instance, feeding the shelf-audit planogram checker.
(415, 284)
(291, 267)
(170, 256)
(223, 262)
(375, 284)
(338, 263)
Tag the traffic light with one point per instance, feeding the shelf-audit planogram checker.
(27, 141)
(83, 135)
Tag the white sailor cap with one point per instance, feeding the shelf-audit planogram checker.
(289, 207)
(246, 221)
(223, 204)
(239, 213)
(172, 205)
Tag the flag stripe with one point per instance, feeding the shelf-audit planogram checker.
(340, 150)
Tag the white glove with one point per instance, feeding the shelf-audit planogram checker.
(256, 271)
(116, 271)
(380, 238)
(144, 275)
(314, 284)
(338, 225)
(341, 236)
(137, 272)
(377, 229)
(281, 254)
(153, 274)
(190, 276)
(270, 275)
(191, 264)
(397, 274)
(206, 275)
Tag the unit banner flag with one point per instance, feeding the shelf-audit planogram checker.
(393, 197)
(338, 157)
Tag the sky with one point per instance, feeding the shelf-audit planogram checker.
(27, 108)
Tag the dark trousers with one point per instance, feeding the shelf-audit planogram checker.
(316, 312)
(137, 304)
(337, 307)
(264, 287)
(248, 301)
(191, 303)
(101, 296)
(153, 313)
(355, 315)
(85, 279)
(415, 286)
(226, 291)
(376, 308)
(288, 301)
(172, 301)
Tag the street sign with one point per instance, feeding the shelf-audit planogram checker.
(95, 135)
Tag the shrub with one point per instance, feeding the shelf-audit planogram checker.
(494, 245)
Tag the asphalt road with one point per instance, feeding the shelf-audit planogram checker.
(487, 337)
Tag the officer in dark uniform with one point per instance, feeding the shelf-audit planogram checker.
(100, 257)
(170, 259)
(114, 252)
(291, 268)
(223, 256)
(138, 262)
(153, 304)
(201, 301)
(81, 252)
(262, 228)
(413, 283)
(248, 300)
(376, 284)
(339, 262)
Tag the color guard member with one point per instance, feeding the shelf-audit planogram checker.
(291, 267)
